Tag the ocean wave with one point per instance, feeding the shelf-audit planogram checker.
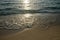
(15, 7)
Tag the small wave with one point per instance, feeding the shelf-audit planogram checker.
(52, 8)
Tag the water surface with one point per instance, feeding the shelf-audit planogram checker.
(17, 15)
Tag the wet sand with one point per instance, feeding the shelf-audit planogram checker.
(38, 31)
(52, 33)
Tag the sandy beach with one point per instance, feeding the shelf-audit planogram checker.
(29, 19)
(52, 33)
(44, 28)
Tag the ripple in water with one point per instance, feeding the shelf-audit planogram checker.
(19, 22)
(29, 6)
(28, 14)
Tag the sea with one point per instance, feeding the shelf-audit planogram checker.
(16, 15)
(29, 6)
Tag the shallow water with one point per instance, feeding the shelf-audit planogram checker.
(24, 14)
(19, 22)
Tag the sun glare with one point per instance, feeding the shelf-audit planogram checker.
(26, 1)
(27, 15)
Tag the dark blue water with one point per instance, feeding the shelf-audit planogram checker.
(32, 6)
